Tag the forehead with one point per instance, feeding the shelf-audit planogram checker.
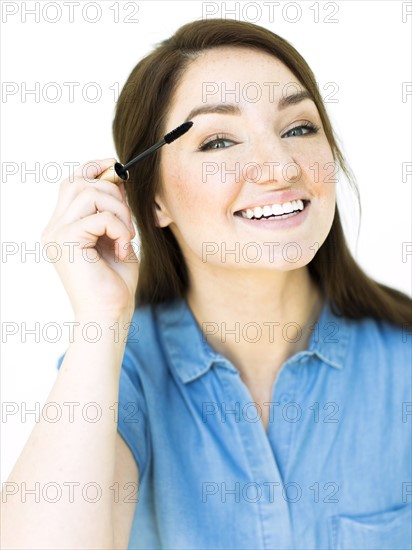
(245, 77)
(230, 69)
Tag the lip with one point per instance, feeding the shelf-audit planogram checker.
(275, 198)
(286, 223)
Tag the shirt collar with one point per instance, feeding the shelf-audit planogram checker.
(191, 355)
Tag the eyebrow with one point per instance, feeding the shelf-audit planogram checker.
(294, 99)
(232, 109)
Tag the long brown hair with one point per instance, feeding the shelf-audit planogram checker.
(139, 122)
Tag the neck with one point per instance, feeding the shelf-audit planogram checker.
(256, 319)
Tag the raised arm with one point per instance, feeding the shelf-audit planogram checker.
(73, 463)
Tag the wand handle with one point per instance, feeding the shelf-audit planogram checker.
(118, 172)
(112, 175)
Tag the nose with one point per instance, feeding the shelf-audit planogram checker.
(271, 162)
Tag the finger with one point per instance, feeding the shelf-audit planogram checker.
(89, 229)
(69, 191)
(91, 169)
(87, 174)
(122, 190)
(91, 200)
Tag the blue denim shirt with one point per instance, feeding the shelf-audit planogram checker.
(333, 471)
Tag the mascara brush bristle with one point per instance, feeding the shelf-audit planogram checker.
(177, 132)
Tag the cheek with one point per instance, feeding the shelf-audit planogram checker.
(198, 211)
(319, 176)
(199, 192)
(176, 189)
(319, 171)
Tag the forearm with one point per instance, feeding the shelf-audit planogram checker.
(76, 450)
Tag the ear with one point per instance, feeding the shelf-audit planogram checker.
(162, 215)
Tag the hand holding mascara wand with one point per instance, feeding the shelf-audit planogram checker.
(119, 172)
(105, 237)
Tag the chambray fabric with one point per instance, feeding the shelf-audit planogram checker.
(334, 470)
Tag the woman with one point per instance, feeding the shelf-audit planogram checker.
(263, 391)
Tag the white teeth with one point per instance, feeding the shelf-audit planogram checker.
(274, 210)
(277, 209)
(267, 210)
(258, 212)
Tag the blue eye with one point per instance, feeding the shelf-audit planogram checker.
(217, 143)
(220, 142)
(302, 130)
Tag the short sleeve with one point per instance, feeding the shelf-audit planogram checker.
(132, 415)
(132, 419)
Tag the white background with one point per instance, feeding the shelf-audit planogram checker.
(366, 53)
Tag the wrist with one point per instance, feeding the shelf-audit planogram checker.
(102, 333)
(106, 317)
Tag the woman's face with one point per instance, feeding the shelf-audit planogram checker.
(251, 154)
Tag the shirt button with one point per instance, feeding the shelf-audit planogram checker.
(284, 398)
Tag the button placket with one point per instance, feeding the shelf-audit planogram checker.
(282, 426)
(263, 466)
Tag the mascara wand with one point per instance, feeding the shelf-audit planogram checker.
(119, 172)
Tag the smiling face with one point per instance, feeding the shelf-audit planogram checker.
(251, 184)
